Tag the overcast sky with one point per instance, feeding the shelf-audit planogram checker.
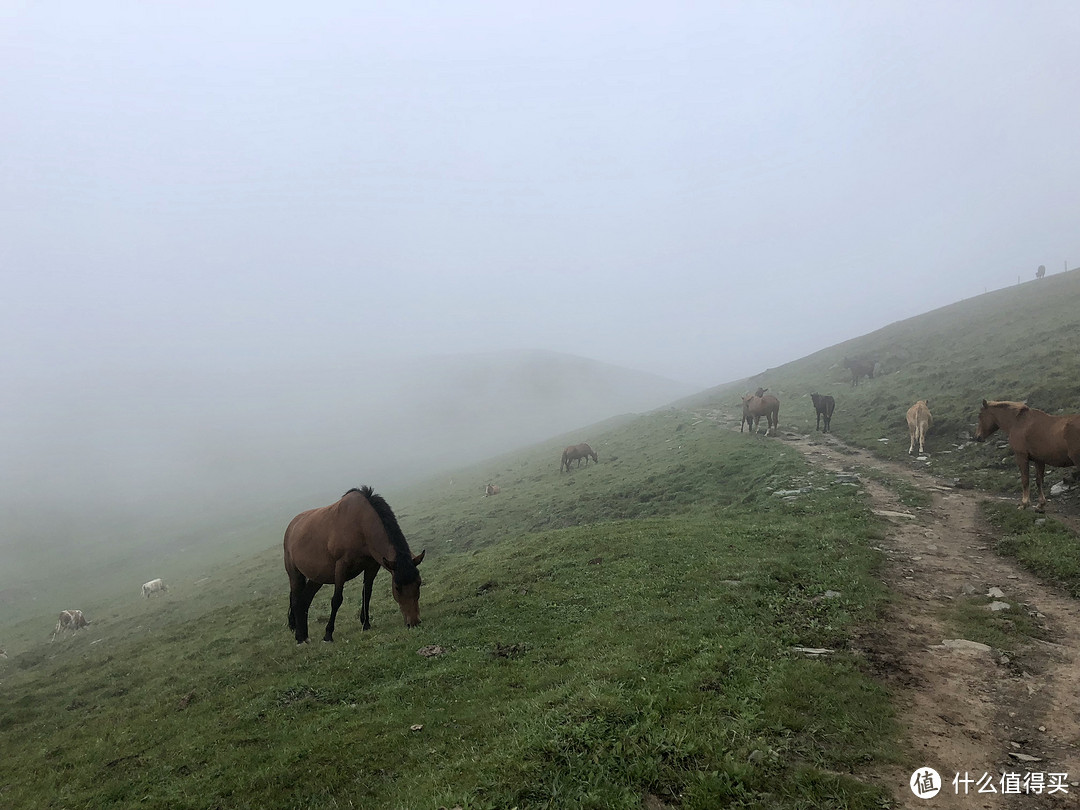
(701, 190)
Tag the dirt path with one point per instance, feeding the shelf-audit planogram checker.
(967, 709)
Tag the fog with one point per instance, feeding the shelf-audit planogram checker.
(235, 236)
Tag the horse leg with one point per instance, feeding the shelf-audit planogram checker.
(335, 603)
(301, 605)
(1025, 498)
(1040, 470)
(296, 584)
(365, 602)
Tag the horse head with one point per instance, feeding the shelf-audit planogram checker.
(995, 415)
(406, 583)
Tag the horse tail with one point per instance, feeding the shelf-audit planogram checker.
(404, 567)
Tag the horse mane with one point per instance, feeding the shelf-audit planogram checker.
(404, 567)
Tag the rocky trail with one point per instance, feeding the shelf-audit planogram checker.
(965, 707)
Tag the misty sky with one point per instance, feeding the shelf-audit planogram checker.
(700, 190)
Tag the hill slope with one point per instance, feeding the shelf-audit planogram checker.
(617, 633)
(158, 466)
(1017, 343)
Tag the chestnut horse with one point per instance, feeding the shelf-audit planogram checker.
(756, 406)
(577, 452)
(1034, 436)
(333, 544)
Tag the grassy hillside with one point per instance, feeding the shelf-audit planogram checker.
(1018, 343)
(621, 633)
(615, 632)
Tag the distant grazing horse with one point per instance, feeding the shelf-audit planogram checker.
(919, 421)
(860, 367)
(824, 405)
(577, 452)
(1034, 436)
(755, 407)
(492, 490)
(153, 586)
(72, 620)
(332, 544)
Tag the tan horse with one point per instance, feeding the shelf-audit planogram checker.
(1034, 436)
(333, 544)
(756, 406)
(919, 421)
(491, 490)
(577, 452)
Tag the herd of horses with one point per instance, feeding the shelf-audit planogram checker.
(359, 534)
(1035, 437)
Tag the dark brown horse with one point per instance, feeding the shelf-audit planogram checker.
(824, 405)
(1034, 436)
(860, 367)
(332, 544)
(577, 452)
(755, 407)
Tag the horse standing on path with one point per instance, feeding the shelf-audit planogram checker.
(577, 452)
(919, 421)
(333, 544)
(755, 407)
(824, 405)
(1034, 436)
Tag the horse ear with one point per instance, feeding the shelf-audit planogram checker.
(419, 558)
(984, 404)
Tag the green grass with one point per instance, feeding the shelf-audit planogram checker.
(620, 630)
(1038, 542)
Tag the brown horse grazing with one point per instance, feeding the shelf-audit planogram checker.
(755, 407)
(333, 544)
(1034, 436)
(824, 405)
(577, 452)
(860, 367)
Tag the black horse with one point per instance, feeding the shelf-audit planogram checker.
(824, 405)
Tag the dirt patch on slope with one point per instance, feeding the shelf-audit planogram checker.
(964, 708)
